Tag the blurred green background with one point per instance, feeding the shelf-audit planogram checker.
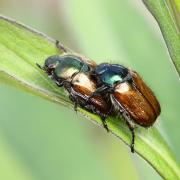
(40, 140)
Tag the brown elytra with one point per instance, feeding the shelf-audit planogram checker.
(83, 84)
(139, 101)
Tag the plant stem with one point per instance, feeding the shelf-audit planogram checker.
(167, 14)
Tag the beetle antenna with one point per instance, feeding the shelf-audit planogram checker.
(39, 66)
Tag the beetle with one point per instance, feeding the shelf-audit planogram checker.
(72, 73)
(129, 95)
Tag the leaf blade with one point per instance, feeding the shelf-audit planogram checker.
(169, 26)
(33, 47)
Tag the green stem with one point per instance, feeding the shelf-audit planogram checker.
(167, 14)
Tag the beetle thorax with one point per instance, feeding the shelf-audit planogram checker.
(111, 74)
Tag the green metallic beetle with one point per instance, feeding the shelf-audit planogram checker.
(73, 73)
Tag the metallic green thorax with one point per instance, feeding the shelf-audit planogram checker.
(110, 74)
(67, 65)
(111, 79)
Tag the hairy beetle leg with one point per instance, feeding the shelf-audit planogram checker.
(60, 47)
(104, 122)
(97, 92)
(74, 100)
(131, 126)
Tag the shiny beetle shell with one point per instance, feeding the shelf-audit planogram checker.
(128, 93)
(67, 66)
(83, 84)
(139, 102)
(146, 92)
(73, 73)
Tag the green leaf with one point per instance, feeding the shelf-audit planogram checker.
(167, 14)
(21, 47)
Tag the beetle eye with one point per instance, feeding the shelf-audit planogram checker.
(52, 61)
(50, 64)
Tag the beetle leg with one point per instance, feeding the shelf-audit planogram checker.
(61, 83)
(60, 47)
(102, 116)
(111, 110)
(103, 119)
(97, 92)
(90, 107)
(131, 126)
(75, 106)
(128, 121)
(73, 98)
(58, 82)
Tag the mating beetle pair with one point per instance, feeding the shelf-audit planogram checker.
(105, 89)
